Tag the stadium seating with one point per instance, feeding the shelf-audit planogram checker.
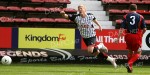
(19, 20)
(28, 9)
(69, 10)
(55, 9)
(118, 1)
(41, 9)
(15, 8)
(40, 1)
(64, 1)
(117, 11)
(34, 11)
(146, 1)
(125, 1)
(51, 1)
(52, 20)
(119, 21)
(117, 8)
(147, 22)
(44, 9)
(62, 20)
(6, 19)
(37, 0)
(33, 20)
(48, 20)
(3, 8)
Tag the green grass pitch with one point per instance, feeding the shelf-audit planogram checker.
(70, 69)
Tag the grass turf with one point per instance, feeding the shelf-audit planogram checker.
(69, 69)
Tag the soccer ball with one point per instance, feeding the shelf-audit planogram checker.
(6, 60)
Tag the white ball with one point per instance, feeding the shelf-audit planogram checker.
(6, 60)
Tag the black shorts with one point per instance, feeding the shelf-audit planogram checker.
(89, 41)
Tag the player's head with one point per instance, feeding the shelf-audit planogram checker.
(133, 7)
(81, 8)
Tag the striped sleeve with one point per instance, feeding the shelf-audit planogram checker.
(93, 17)
(72, 17)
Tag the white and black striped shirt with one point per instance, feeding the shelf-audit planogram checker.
(85, 25)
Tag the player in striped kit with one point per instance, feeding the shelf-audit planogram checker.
(85, 25)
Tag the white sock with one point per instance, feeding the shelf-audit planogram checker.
(109, 59)
(100, 46)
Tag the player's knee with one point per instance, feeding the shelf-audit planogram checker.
(90, 51)
(93, 50)
(96, 53)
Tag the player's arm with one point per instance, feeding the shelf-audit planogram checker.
(100, 27)
(121, 30)
(144, 30)
(68, 16)
(143, 26)
(64, 14)
(95, 21)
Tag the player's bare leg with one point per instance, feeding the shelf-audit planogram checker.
(93, 50)
(96, 51)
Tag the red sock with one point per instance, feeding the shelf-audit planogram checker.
(129, 56)
(133, 59)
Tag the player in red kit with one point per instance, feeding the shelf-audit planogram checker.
(134, 26)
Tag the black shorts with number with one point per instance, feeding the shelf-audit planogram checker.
(89, 41)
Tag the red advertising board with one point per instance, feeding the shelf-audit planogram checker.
(107, 37)
(5, 37)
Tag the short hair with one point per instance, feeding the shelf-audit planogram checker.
(133, 7)
(81, 5)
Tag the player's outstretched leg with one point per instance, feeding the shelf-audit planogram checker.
(108, 58)
(102, 48)
(102, 54)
